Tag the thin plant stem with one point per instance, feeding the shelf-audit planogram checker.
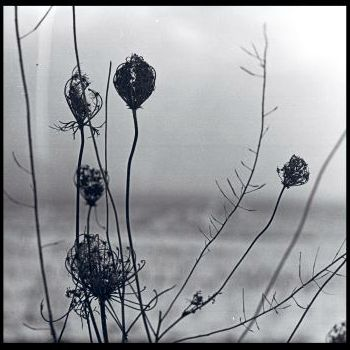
(298, 230)
(39, 23)
(103, 321)
(77, 207)
(102, 172)
(127, 214)
(289, 297)
(33, 175)
(257, 152)
(219, 290)
(313, 300)
(106, 149)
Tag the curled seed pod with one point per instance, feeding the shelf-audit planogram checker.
(134, 81)
(97, 269)
(294, 173)
(337, 334)
(74, 90)
(91, 184)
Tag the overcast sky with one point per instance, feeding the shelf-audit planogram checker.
(205, 112)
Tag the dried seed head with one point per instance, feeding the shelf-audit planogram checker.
(97, 269)
(92, 264)
(294, 173)
(134, 81)
(74, 90)
(337, 334)
(91, 184)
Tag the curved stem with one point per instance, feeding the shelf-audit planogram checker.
(266, 311)
(127, 214)
(297, 232)
(102, 171)
(202, 253)
(32, 171)
(213, 296)
(314, 298)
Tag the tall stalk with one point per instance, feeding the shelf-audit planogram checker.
(124, 339)
(34, 188)
(127, 214)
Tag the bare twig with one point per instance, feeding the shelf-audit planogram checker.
(253, 318)
(301, 223)
(38, 25)
(313, 300)
(32, 171)
(17, 201)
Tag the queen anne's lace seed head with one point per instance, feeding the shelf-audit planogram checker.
(134, 81)
(91, 184)
(294, 173)
(74, 92)
(97, 270)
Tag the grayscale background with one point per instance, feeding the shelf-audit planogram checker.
(195, 128)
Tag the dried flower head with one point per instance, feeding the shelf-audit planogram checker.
(294, 173)
(83, 109)
(91, 184)
(134, 81)
(337, 334)
(97, 269)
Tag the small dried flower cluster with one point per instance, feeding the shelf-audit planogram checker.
(91, 184)
(134, 81)
(82, 108)
(97, 269)
(337, 334)
(294, 173)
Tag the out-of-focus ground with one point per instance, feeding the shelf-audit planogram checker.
(167, 237)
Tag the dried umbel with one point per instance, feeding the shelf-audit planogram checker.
(98, 270)
(91, 184)
(74, 93)
(134, 81)
(294, 173)
(337, 334)
(82, 108)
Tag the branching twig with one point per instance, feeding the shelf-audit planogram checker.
(301, 224)
(32, 171)
(38, 25)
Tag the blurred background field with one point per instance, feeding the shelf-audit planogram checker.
(167, 237)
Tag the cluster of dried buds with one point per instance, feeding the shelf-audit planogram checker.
(134, 81)
(294, 173)
(91, 184)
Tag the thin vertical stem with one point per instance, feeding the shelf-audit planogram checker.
(102, 172)
(103, 321)
(32, 171)
(127, 213)
(106, 149)
(77, 207)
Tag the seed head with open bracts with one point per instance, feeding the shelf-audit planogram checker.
(97, 269)
(134, 81)
(294, 173)
(82, 108)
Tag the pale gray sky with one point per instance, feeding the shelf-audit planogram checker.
(204, 114)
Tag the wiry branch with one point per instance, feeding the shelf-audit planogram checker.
(13, 200)
(239, 198)
(38, 25)
(20, 165)
(266, 311)
(313, 300)
(301, 224)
